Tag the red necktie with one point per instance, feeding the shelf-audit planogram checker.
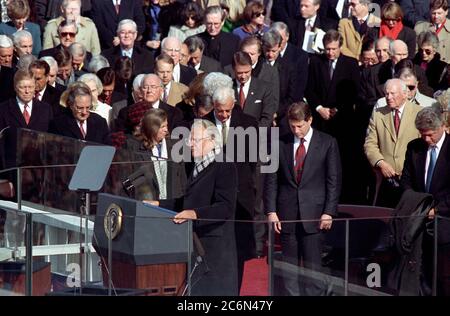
(241, 96)
(83, 132)
(117, 7)
(397, 121)
(299, 160)
(26, 114)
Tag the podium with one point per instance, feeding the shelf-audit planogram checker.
(149, 251)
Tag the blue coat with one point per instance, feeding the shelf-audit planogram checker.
(9, 29)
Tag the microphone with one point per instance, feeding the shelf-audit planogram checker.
(134, 180)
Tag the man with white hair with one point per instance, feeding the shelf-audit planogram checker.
(152, 89)
(183, 74)
(226, 116)
(53, 71)
(87, 31)
(6, 71)
(390, 130)
(141, 58)
(23, 43)
(6, 51)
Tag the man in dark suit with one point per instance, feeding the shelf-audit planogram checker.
(219, 45)
(141, 58)
(309, 20)
(78, 122)
(210, 196)
(197, 59)
(333, 83)
(182, 74)
(107, 18)
(227, 118)
(6, 78)
(305, 187)
(43, 91)
(283, 10)
(426, 169)
(21, 112)
(254, 96)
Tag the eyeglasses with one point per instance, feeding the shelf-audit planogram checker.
(258, 14)
(411, 87)
(427, 51)
(194, 141)
(82, 110)
(70, 34)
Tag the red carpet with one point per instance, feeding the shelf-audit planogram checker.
(255, 281)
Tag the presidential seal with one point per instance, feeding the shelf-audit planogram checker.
(112, 222)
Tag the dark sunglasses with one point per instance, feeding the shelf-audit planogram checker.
(427, 51)
(411, 87)
(258, 14)
(65, 34)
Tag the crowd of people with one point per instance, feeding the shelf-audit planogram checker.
(349, 84)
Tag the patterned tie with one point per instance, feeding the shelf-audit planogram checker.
(83, 132)
(431, 166)
(309, 25)
(165, 95)
(397, 121)
(37, 94)
(241, 96)
(299, 160)
(26, 114)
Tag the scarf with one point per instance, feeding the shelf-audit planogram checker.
(392, 33)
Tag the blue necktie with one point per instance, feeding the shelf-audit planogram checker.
(159, 147)
(431, 165)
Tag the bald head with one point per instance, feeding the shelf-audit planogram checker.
(382, 49)
(398, 51)
(172, 47)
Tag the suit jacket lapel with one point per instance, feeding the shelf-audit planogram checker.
(15, 111)
(441, 162)
(388, 123)
(312, 153)
(289, 152)
(74, 128)
(250, 99)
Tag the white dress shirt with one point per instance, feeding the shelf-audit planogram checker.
(438, 149)
(306, 143)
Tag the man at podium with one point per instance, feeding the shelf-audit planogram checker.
(210, 200)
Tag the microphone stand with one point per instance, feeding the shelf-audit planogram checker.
(198, 260)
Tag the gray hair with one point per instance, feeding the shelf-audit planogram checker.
(384, 38)
(92, 77)
(19, 35)
(25, 61)
(97, 62)
(271, 39)
(77, 49)
(170, 38)
(280, 26)
(65, 3)
(124, 22)
(138, 80)
(5, 41)
(429, 118)
(393, 44)
(223, 94)
(50, 61)
(429, 38)
(365, 2)
(193, 43)
(215, 9)
(150, 75)
(211, 130)
(396, 81)
(214, 80)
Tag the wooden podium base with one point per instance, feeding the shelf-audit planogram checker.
(12, 277)
(158, 279)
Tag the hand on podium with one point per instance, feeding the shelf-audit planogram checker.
(184, 216)
(6, 189)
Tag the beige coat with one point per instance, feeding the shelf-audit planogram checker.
(444, 37)
(352, 40)
(87, 34)
(381, 141)
(176, 92)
